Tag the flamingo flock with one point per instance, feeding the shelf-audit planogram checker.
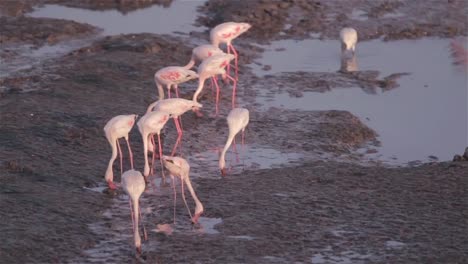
(213, 62)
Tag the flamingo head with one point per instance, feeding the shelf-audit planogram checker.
(196, 106)
(176, 165)
(138, 250)
(223, 172)
(244, 27)
(189, 75)
(111, 185)
(195, 217)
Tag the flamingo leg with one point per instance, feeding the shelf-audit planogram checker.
(175, 195)
(120, 154)
(217, 93)
(234, 87)
(131, 214)
(243, 139)
(130, 153)
(145, 235)
(154, 154)
(212, 85)
(179, 137)
(235, 59)
(176, 90)
(160, 157)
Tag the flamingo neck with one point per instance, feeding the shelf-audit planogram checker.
(109, 173)
(201, 84)
(136, 217)
(151, 106)
(222, 160)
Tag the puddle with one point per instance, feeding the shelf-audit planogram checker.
(426, 115)
(394, 244)
(242, 237)
(99, 189)
(205, 164)
(359, 15)
(178, 17)
(207, 225)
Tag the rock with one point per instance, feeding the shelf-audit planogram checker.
(458, 158)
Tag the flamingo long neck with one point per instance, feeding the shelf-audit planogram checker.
(136, 217)
(190, 64)
(160, 89)
(109, 174)
(201, 83)
(198, 204)
(226, 147)
(145, 153)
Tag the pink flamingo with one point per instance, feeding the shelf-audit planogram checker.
(349, 39)
(179, 167)
(210, 67)
(225, 33)
(237, 120)
(118, 127)
(133, 184)
(202, 52)
(172, 76)
(148, 125)
(175, 107)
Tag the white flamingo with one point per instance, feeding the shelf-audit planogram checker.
(226, 33)
(175, 107)
(210, 67)
(172, 76)
(237, 120)
(179, 167)
(133, 184)
(118, 127)
(148, 125)
(349, 39)
(202, 52)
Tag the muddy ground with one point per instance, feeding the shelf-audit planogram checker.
(52, 145)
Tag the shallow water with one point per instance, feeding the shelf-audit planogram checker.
(426, 115)
(178, 17)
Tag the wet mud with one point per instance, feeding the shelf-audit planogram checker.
(322, 208)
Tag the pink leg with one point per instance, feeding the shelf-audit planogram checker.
(176, 90)
(160, 157)
(154, 154)
(145, 235)
(175, 195)
(235, 59)
(120, 154)
(217, 93)
(243, 139)
(130, 154)
(175, 146)
(234, 145)
(233, 90)
(212, 85)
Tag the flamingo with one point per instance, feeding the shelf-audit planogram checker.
(210, 67)
(348, 38)
(202, 52)
(175, 107)
(179, 167)
(133, 184)
(118, 127)
(148, 125)
(225, 33)
(237, 120)
(172, 76)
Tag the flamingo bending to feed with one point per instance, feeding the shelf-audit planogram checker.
(148, 125)
(237, 120)
(202, 52)
(133, 184)
(118, 127)
(179, 167)
(172, 76)
(175, 107)
(349, 39)
(210, 67)
(225, 33)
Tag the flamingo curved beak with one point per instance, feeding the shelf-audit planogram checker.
(195, 217)
(223, 171)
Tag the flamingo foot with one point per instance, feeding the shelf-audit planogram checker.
(223, 172)
(111, 185)
(195, 217)
(198, 113)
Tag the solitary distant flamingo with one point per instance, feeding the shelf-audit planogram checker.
(175, 107)
(225, 33)
(210, 67)
(237, 120)
(202, 52)
(179, 167)
(172, 76)
(349, 39)
(133, 184)
(148, 125)
(118, 127)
